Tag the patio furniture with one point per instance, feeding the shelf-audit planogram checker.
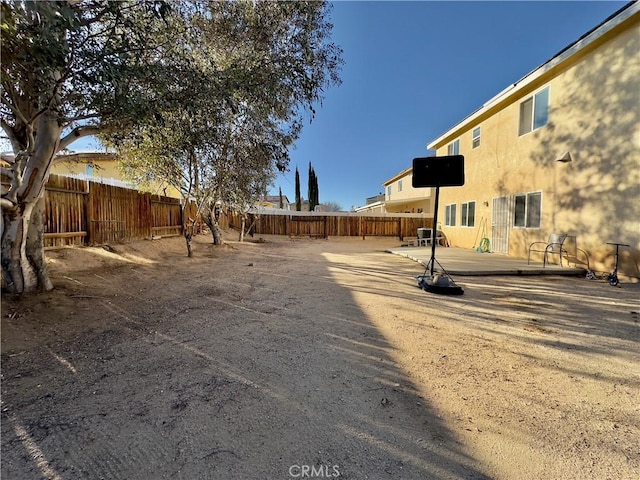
(562, 245)
(424, 238)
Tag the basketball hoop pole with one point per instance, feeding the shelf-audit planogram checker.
(434, 230)
(436, 172)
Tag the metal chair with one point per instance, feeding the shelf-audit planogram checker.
(553, 246)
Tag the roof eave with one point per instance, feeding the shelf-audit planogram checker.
(397, 176)
(612, 22)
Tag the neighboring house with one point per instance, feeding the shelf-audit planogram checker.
(401, 197)
(556, 152)
(102, 167)
(372, 205)
(304, 206)
(273, 201)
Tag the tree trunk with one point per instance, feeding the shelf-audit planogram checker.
(217, 234)
(187, 238)
(22, 229)
(214, 227)
(187, 231)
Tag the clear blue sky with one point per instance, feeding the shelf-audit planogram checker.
(413, 70)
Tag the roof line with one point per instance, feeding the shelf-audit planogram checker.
(556, 57)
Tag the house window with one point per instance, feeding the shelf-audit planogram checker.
(389, 191)
(534, 112)
(399, 185)
(468, 214)
(88, 170)
(527, 210)
(450, 215)
(454, 148)
(475, 137)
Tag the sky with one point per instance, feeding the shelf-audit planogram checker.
(413, 70)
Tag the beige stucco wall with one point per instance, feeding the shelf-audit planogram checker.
(107, 169)
(409, 199)
(594, 113)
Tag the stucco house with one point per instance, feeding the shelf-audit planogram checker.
(558, 151)
(400, 197)
(102, 167)
(273, 201)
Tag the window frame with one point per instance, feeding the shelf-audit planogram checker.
(454, 147)
(464, 214)
(449, 219)
(476, 138)
(525, 213)
(537, 109)
(399, 185)
(389, 192)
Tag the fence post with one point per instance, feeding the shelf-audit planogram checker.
(326, 227)
(400, 228)
(89, 215)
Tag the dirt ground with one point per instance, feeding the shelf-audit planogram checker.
(313, 359)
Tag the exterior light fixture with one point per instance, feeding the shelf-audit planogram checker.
(566, 158)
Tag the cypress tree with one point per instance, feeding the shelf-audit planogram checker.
(298, 201)
(316, 192)
(310, 187)
(281, 202)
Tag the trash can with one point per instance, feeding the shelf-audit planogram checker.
(424, 233)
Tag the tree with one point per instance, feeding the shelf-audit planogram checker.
(316, 191)
(69, 69)
(312, 189)
(119, 69)
(298, 199)
(281, 203)
(332, 207)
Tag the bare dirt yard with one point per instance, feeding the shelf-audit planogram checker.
(313, 359)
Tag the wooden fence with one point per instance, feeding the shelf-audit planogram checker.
(333, 225)
(80, 212)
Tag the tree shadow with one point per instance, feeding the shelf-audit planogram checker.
(218, 371)
(595, 117)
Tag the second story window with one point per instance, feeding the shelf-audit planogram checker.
(88, 170)
(399, 185)
(454, 148)
(475, 137)
(534, 112)
(389, 191)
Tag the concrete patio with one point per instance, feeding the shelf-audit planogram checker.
(460, 261)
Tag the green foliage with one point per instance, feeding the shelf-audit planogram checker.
(255, 70)
(313, 189)
(205, 95)
(93, 64)
(298, 199)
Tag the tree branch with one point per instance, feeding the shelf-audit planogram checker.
(77, 133)
(16, 112)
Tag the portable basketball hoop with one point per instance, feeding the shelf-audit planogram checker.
(446, 171)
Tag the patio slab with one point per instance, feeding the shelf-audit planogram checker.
(461, 261)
